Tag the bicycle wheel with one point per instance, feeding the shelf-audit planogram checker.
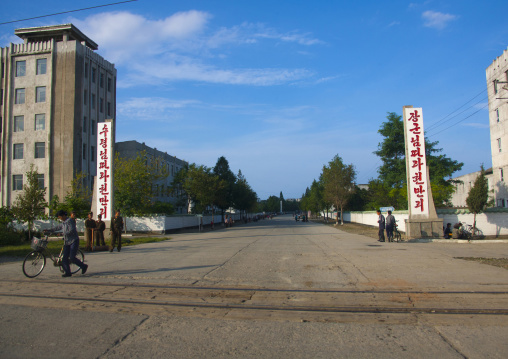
(75, 268)
(398, 237)
(34, 264)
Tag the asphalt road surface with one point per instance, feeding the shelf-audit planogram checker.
(272, 289)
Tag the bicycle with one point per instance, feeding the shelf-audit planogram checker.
(396, 234)
(35, 261)
(467, 231)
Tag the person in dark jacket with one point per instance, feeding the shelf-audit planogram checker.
(100, 227)
(116, 232)
(381, 223)
(89, 228)
(71, 243)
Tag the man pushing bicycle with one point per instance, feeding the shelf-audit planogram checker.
(71, 243)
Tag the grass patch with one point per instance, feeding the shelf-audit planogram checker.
(54, 245)
(496, 262)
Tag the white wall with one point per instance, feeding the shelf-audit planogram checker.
(492, 223)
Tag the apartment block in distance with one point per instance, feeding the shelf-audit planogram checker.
(54, 89)
(172, 165)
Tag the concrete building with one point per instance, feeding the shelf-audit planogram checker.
(131, 149)
(497, 87)
(467, 181)
(54, 90)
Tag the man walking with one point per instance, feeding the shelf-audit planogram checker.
(381, 222)
(116, 232)
(390, 225)
(71, 243)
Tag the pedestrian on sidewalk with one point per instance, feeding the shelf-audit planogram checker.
(390, 225)
(116, 231)
(381, 223)
(89, 228)
(99, 231)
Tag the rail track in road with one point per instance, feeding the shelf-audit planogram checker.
(144, 298)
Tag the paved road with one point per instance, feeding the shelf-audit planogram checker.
(274, 289)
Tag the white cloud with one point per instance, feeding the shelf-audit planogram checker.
(124, 35)
(177, 48)
(150, 108)
(437, 20)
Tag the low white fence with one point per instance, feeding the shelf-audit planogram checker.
(493, 222)
(157, 224)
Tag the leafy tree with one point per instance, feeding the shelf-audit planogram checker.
(392, 173)
(183, 199)
(272, 204)
(244, 197)
(31, 203)
(134, 183)
(315, 200)
(478, 197)
(224, 196)
(202, 186)
(338, 183)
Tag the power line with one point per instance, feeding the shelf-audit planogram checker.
(456, 123)
(440, 122)
(67, 12)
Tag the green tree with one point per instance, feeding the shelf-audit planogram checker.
(135, 182)
(224, 196)
(202, 186)
(77, 199)
(183, 199)
(478, 197)
(30, 204)
(245, 198)
(338, 183)
(272, 204)
(392, 172)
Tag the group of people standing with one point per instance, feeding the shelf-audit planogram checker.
(388, 224)
(94, 232)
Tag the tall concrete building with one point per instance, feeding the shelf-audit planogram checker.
(497, 87)
(162, 189)
(54, 90)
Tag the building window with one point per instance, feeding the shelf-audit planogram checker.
(93, 74)
(101, 80)
(85, 97)
(20, 68)
(40, 94)
(93, 101)
(17, 182)
(109, 84)
(41, 66)
(40, 151)
(497, 115)
(40, 122)
(86, 70)
(19, 97)
(17, 153)
(93, 128)
(40, 181)
(84, 124)
(499, 144)
(92, 153)
(101, 105)
(502, 175)
(19, 123)
(495, 87)
(84, 151)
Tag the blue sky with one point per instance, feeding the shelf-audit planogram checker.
(280, 87)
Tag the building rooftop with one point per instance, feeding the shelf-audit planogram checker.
(42, 33)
